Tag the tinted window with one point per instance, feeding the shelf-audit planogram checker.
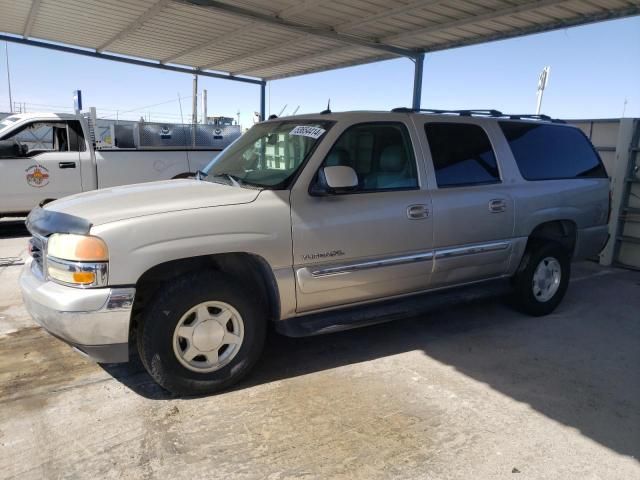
(462, 154)
(380, 153)
(76, 138)
(545, 152)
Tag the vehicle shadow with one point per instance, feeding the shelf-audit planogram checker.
(578, 366)
(13, 227)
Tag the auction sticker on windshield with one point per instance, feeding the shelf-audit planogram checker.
(307, 131)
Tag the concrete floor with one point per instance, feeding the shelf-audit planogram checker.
(476, 391)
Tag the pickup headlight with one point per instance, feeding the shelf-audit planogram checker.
(77, 260)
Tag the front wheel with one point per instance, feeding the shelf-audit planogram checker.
(542, 279)
(202, 333)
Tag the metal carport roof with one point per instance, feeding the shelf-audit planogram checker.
(258, 40)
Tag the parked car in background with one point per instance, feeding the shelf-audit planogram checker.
(313, 224)
(47, 156)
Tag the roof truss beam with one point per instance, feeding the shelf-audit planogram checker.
(132, 61)
(300, 28)
(531, 5)
(31, 19)
(338, 28)
(227, 38)
(151, 12)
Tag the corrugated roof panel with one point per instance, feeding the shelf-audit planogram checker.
(293, 50)
(14, 16)
(224, 38)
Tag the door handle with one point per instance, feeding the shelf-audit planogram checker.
(497, 205)
(416, 212)
(67, 165)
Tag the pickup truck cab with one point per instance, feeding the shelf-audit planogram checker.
(313, 224)
(47, 156)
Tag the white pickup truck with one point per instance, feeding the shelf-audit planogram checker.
(47, 156)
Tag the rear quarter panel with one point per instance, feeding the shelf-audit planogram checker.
(583, 201)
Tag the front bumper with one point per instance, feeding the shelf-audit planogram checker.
(93, 320)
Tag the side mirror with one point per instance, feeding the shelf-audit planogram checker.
(335, 180)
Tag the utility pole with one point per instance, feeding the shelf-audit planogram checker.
(204, 107)
(194, 104)
(6, 52)
(542, 83)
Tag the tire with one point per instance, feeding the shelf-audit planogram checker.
(530, 294)
(165, 353)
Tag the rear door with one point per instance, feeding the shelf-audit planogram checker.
(39, 162)
(472, 205)
(370, 243)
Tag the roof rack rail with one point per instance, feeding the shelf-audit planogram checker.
(479, 112)
(465, 113)
(527, 116)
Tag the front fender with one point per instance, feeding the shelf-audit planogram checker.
(262, 228)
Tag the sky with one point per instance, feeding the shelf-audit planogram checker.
(594, 70)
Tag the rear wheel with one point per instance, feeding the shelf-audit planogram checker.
(543, 278)
(202, 333)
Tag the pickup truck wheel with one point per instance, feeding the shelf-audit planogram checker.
(201, 333)
(543, 278)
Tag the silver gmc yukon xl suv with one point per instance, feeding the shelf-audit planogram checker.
(312, 224)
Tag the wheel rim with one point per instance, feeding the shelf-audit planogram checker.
(546, 279)
(208, 336)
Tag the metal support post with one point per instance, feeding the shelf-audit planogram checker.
(417, 80)
(263, 110)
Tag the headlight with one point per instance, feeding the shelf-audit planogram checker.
(77, 260)
(80, 248)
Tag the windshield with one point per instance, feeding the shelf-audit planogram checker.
(10, 120)
(269, 154)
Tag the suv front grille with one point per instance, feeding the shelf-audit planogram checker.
(37, 249)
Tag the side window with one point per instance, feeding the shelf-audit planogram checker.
(462, 154)
(40, 137)
(76, 137)
(546, 152)
(380, 153)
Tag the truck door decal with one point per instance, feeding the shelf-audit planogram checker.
(37, 176)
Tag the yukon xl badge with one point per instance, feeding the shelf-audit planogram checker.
(315, 256)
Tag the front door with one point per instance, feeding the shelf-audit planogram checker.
(39, 162)
(372, 242)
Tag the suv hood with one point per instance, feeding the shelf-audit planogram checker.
(120, 203)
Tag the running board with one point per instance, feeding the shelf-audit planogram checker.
(389, 310)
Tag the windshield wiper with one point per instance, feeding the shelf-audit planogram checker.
(200, 175)
(235, 180)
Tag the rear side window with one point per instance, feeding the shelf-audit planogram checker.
(462, 154)
(547, 152)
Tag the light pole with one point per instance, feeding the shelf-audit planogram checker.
(542, 83)
(6, 52)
